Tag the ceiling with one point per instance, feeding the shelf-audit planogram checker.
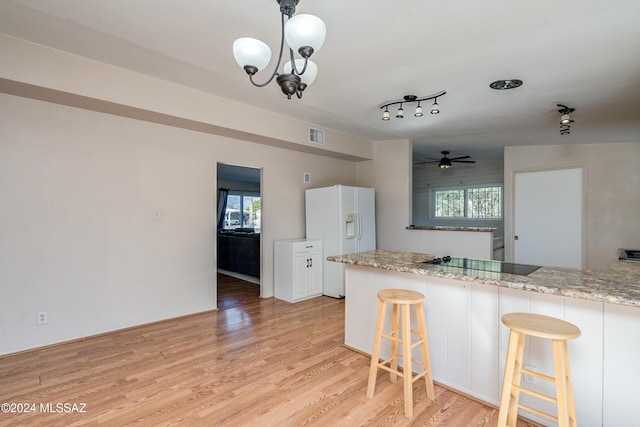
(581, 53)
(238, 173)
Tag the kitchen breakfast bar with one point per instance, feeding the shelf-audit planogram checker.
(464, 302)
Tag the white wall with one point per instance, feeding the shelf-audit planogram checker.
(78, 191)
(613, 193)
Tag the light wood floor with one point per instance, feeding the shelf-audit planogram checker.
(255, 362)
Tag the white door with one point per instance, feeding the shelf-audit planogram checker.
(301, 266)
(548, 218)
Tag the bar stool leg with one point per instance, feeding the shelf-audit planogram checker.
(572, 405)
(375, 355)
(395, 333)
(517, 377)
(509, 402)
(560, 365)
(426, 360)
(407, 372)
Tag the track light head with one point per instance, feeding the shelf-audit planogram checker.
(400, 113)
(386, 115)
(565, 119)
(418, 112)
(435, 108)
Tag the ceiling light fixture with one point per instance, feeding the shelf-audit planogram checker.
(505, 84)
(386, 115)
(418, 112)
(435, 109)
(445, 163)
(565, 119)
(304, 33)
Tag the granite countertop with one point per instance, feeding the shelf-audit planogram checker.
(448, 228)
(619, 285)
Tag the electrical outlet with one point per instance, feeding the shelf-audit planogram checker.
(159, 214)
(42, 318)
(528, 378)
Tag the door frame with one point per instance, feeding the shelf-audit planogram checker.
(509, 217)
(261, 169)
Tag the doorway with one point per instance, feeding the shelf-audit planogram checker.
(548, 218)
(238, 240)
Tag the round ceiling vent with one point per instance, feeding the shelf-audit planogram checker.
(505, 84)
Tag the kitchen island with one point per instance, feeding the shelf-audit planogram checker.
(468, 342)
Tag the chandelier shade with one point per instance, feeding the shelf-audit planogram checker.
(251, 52)
(304, 33)
(310, 73)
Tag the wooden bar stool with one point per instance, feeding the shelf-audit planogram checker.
(559, 332)
(401, 334)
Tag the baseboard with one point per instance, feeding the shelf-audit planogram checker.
(241, 276)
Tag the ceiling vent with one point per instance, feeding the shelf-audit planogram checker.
(316, 136)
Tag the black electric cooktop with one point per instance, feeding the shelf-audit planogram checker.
(485, 265)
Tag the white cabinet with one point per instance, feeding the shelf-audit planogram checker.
(298, 269)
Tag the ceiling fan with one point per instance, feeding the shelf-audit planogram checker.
(446, 162)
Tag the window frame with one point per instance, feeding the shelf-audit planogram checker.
(242, 194)
(466, 188)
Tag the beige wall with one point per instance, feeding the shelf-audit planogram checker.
(612, 191)
(36, 71)
(78, 190)
(88, 154)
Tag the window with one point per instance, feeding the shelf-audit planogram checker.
(476, 202)
(243, 211)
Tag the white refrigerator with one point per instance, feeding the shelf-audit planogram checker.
(344, 219)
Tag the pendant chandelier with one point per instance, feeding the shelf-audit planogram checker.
(304, 33)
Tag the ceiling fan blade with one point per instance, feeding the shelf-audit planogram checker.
(425, 162)
(463, 161)
(461, 157)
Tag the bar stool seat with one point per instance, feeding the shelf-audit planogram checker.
(559, 332)
(401, 300)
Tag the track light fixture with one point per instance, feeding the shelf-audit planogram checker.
(565, 119)
(435, 108)
(304, 33)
